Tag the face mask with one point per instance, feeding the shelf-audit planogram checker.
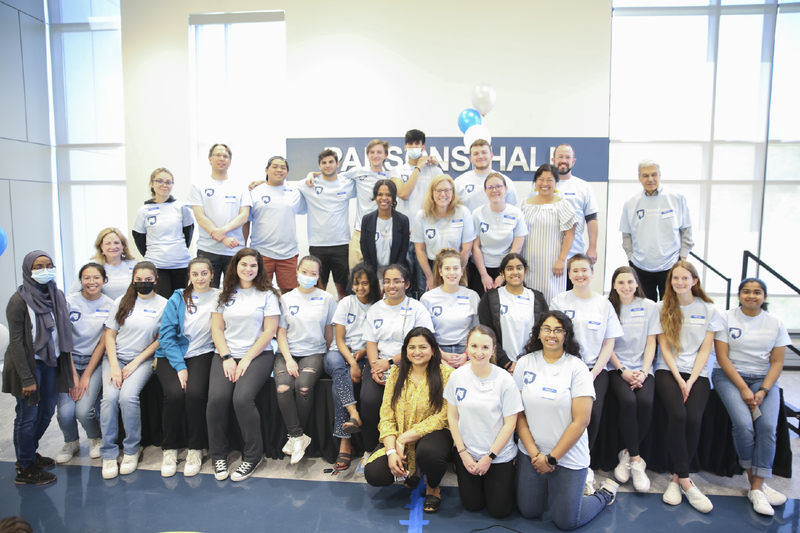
(414, 153)
(144, 287)
(307, 282)
(43, 276)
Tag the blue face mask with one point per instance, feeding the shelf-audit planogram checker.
(43, 276)
(414, 153)
(307, 282)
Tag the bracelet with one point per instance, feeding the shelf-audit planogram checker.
(390, 451)
(462, 450)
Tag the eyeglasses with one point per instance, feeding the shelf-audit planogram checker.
(442, 192)
(163, 182)
(558, 331)
(491, 188)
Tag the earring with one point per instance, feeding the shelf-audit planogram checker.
(555, 191)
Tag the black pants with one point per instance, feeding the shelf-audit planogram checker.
(334, 259)
(652, 281)
(600, 389)
(189, 404)
(370, 398)
(432, 452)
(218, 262)
(474, 277)
(635, 410)
(221, 392)
(171, 279)
(493, 490)
(296, 394)
(683, 419)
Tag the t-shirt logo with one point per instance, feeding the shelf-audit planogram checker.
(484, 227)
(318, 189)
(461, 393)
(151, 220)
(74, 316)
(191, 308)
(351, 318)
(469, 188)
(377, 235)
(735, 333)
(266, 199)
(294, 309)
(404, 177)
(528, 377)
(378, 322)
(209, 192)
(430, 233)
(436, 310)
(570, 313)
(503, 309)
(230, 302)
(640, 214)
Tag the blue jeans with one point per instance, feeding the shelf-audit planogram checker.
(86, 410)
(32, 420)
(561, 490)
(453, 348)
(126, 399)
(754, 441)
(339, 371)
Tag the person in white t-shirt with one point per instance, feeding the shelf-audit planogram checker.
(689, 321)
(750, 351)
(113, 254)
(242, 327)
(482, 406)
(630, 372)
(553, 459)
(163, 231)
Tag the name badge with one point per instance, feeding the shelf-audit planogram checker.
(594, 325)
(231, 198)
(509, 219)
(341, 193)
(569, 194)
(637, 312)
(101, 313)
(667, 213)
(153, 210)
(316, 300)
(462, 300)
(486, 386)
(151, 313)
(457, 222)
(697, 320)
(405, 311)
(523, 299)
(548, 393)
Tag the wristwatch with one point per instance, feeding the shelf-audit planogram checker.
(766, 390)
(621, 370)
(492, 455)
(226, 357)
(552, 461)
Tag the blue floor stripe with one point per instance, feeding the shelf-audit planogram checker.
(415, 520)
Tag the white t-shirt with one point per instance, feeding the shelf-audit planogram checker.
(471, 193)
(273, 231)
(364, 180)
(221, 201)
(304, 316)
(352, 314)
(751, 339)
(387, 325)
(699, 317)
(140, 328)
(328, 204)
(88, 319)
(594, 321)
(413, 204)
(383, 241)
(119, 278)
(453, 315)
(244, 316)
(579, 195)
(497, 231)
(163, 226)
(516, 320)
(639, 319)
(482, 405)
(447, 232)
(197, 322)
(547, 394)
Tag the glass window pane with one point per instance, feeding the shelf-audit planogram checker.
(90, 164)
(779, 231)
(785, 107)
(783, 161)
(109, 104)
(684, 161)
(736, 162)
(79, 89)
(660, 3)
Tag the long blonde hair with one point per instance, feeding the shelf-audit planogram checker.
(98, 256)
(671, 315)
(443, 254)
(429, 205)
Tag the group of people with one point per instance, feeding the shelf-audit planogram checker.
(482, 344)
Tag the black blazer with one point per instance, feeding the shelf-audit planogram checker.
(400, 239)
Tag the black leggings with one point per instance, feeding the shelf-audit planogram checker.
(493, 490)
(432, 453)
(371, 398)
(219, 262)
(189, 404)
(653, 283)
(635, 410)
(683, 419)
(171, 279)
(600, 389)
(296, 394)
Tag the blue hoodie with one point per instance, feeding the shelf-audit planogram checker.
(172, 344)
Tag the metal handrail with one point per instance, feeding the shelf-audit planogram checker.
(720, 274)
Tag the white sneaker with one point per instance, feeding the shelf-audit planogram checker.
(623, 470)
(299, 448)
(588, 488)
(94, 448)
(287, 448)
(774, 497)
(697, 499)
(67, 452)
(169, 463)
(760, 503)
(610, 486)
(194, 461)
(672, 496)
(110, 469)
(640, 480)
(129, 464)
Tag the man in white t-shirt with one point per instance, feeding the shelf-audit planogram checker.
(469, 185)
(656, 230)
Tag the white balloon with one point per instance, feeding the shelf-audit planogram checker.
(478, 131)
(483, 98)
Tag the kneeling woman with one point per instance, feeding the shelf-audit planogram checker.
(185, 351)
(242, 326)
(413, 426)
(131, 340)
(304, 334)
(482, 407)
(553, 461)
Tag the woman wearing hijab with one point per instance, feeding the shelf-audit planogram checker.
(40, 332)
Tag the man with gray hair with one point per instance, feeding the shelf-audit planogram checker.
(656, 230)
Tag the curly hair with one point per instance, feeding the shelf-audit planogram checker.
(571, 345)
(231, 280)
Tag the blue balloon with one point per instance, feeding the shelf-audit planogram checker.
(468, 117)
(3, 241)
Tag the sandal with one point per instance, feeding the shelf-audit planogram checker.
(342, 463)
(412, 482)
(431, 504)
(351, 426)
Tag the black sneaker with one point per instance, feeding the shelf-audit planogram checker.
(244, 471)
(44, 462)
(221, 469)
(33, 475)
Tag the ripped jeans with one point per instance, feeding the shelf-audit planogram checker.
(296, 395)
